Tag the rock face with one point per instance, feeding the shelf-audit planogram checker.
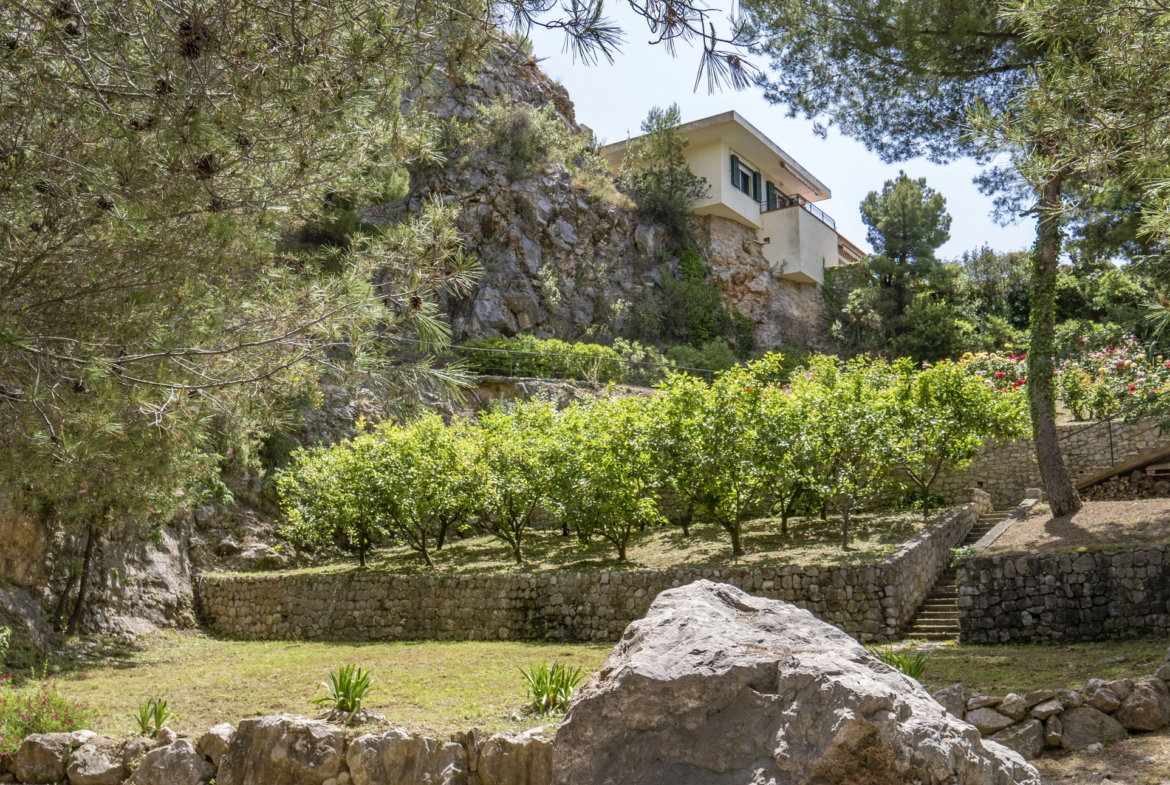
(1085, 726)
(716, 686)
(1027, 738)
(282, 750)
(953, 699)
(42, 757)
(90, 766)
(1147, 706)
(526, 759)
(174, 764)
(215, 742)
(403, 759)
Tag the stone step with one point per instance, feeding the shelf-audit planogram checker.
(940, 617)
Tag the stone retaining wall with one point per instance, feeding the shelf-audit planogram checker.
(871, 602)
(1064, 597)
(1006, 470)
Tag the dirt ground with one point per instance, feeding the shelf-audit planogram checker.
(1098, 526)
(1142, 759)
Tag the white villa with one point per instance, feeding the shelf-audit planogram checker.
(758, 185)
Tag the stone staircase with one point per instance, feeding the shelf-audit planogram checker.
(938, 618)
(1123, 464)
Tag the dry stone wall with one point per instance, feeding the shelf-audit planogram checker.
(871, 602)
(1064, 596)
(1006, 470)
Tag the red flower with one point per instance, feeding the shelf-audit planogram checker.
(1131, 388)
(1001, 374)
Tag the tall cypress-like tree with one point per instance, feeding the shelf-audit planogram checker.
(904, 78)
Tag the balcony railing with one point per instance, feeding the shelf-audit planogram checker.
(779, 202)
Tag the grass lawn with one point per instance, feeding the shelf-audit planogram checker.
(1097, 526)
(809, 541)
(997, 670)
(440, 687)
(430, 686)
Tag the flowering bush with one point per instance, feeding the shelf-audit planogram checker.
(1095, 384)
(1005, 371)
(1091, 384)
(37, 708)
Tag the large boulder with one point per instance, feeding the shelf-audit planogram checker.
(953, 699)
(282, 750)
(1027, 738)
(523, 759)
(173, 764)
(90, 765)
(41, 758)
(214, 743)
(400, 758)
(715, 687)
(1085, 726)
(1147, 706)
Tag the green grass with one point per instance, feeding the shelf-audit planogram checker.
(809, 541)
(440, 687)
(436, 687)
(997, 670)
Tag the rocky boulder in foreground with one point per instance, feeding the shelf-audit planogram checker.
(717, 687)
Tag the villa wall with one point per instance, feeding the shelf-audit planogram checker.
(871, 602)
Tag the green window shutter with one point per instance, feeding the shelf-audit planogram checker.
(771, 193)
(756, 186)
(735, 170)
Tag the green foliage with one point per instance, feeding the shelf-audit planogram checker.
(656, 172)
(941, 418)
(714, 355)
(517, 466)
(152, 716)
(410, 483)
(845, 410)
(745, 335)
(692, 311)
(525, 355)
(609, 481)
(346, 689)
(550, 687)
(192, 317)
(38, 707)
(913, 664)
(519, 135)
(5, 641)
(930, 331)
(962, 554)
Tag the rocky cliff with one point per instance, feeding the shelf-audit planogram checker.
(566, 258)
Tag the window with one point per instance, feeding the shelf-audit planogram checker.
(745, 178)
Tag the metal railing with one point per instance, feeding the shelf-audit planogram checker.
(780, 202)
(1146, 403)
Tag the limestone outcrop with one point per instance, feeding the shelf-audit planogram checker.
(716, 686)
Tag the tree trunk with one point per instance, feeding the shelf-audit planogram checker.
(845, 526)
(443, 524)
(361, 550)
(60, 611)
(685, 519)
(733, 530)
(79, 606)
(1062, 495)
(786, 510)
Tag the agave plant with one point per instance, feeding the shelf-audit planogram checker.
(346, 689)
(152, 716)
(913, 664)
(550, 686)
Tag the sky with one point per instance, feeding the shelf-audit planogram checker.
(614, 99)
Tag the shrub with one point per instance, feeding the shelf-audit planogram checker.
(346, 689)
(714, 355)
(656, 172)
(913, 664)
(550, 687)
(38, 708)
(962, 553)
(526, 355)
(152, 716)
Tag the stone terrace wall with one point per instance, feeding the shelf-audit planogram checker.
(1064, 597)
(1006, 470)
(870, 602)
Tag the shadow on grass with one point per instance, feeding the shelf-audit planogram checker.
(809, 541)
